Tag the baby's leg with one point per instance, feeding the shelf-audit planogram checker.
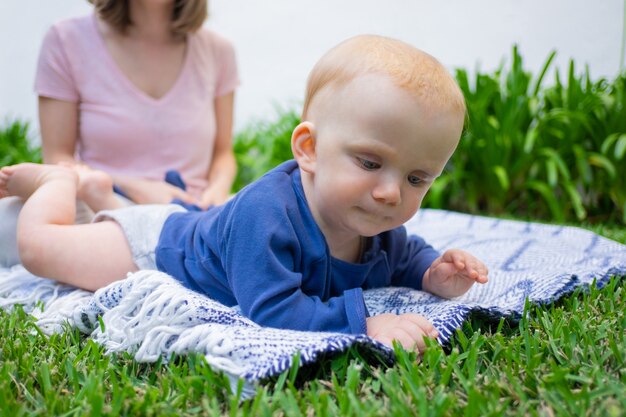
(89, 256)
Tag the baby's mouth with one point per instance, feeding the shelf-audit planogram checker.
(376, 214)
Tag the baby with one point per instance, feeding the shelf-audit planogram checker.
(296, 248)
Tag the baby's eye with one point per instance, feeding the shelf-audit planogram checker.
(368, 165)
(415, 180)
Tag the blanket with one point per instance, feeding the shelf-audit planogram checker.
(151, 316)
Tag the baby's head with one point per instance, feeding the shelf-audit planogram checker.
(409, 68)
(380, 121)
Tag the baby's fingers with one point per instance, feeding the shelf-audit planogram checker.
(477, 271)
(422, 325)
(410, 339)
(468, 265)
(455, 257)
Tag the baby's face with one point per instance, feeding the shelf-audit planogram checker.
(378, 151)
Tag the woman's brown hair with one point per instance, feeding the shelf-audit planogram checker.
(187, 16)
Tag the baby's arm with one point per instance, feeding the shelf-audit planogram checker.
(407, 329)
(453, 274)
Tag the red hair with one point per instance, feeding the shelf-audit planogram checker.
(408, 67)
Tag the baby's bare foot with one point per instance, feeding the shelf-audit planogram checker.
(23, 180)
(3, 186)
(4, 182)
(94, 187)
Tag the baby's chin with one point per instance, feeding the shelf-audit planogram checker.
(373, 231)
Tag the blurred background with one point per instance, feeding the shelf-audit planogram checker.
(544, 82)
(278, 41)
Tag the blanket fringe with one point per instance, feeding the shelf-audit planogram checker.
(51, 303)
(21, 287)
(59, 312)
(157, 317)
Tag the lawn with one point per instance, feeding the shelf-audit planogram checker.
(566, 358)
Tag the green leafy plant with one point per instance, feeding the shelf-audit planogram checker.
(262, 146)
(554, 153)
(16, 144)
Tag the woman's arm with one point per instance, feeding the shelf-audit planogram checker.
(58, 124)
(144, 191)
(58, 121)
(223, 167)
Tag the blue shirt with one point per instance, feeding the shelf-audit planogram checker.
(263, 251)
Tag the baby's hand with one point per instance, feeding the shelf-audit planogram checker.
(407, 329)
(453, 273)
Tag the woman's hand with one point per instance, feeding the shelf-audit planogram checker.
(213, 196)
(143, 191)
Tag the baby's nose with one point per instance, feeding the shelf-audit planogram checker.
(388, 192)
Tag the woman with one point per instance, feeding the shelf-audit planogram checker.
(138, 89)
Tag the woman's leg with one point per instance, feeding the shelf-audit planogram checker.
(50, 245)
(9, 211)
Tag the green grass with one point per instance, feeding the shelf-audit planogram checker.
(568, 358)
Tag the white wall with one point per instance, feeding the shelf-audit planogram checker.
(278, 41)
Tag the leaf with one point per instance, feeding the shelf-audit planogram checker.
(551, 171)
(608, 142)
(531, 137)
(602, 161)
(620, 147)
(552, 155)
(576, 201)
(582, 162)
(543, 73)
(493, 122)
(549, 197)
(503, 177)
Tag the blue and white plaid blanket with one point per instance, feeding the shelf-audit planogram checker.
(150, 315)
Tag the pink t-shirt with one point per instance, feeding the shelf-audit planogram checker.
(123, 130)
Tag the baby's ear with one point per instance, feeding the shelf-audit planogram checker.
(303, 146)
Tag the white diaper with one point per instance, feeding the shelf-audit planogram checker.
(142, 225)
